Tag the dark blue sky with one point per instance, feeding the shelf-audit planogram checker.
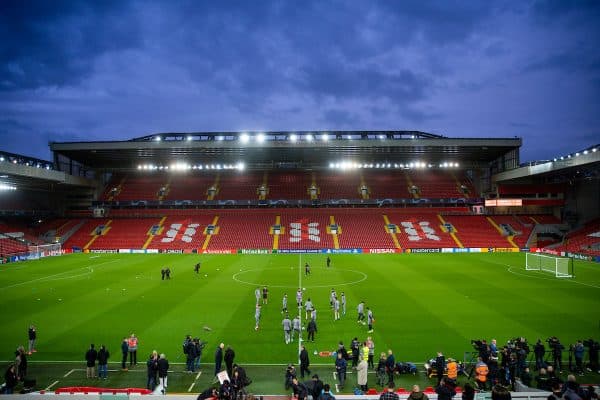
(114, 70)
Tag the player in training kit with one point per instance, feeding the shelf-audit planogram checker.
(370, 319)
(287, 329)
(306, 269)
(296, 326)
(265, 295)
(299, 297)
(343, 304)
(328, 261)
(284, 304)
(332, 297)
(257, 295)
(336, 309)
(257, 316)
(308, 306)
(361, 312)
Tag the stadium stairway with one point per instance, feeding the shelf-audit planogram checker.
(477, 231)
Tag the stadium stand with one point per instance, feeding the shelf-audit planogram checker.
(420, 229)
(288, 185)
(585, 240)
(125, 234)
(339, 185)
(188, 187)
(86, 233)
(256, 225)
(180, 232)
(477, 231)
(515, 227)
(136, 187)
(437, 184)
(363, 228)
(392, 184)
(239, 186)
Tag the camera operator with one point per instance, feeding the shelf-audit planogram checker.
(578, 352)
(593, 350)
(482, 349)
(556, 348)
(539, 350)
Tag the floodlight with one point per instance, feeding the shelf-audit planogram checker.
(244, 138)
(139, 166)
(260, 138)
(293, 138)
(241, 166)
(554, 159)
(381, 137)
(158, 139)
(220, 138)
(2, 158)
(309, 138)
(4, 186)
(562, 158)
(324, 137)
(200, 166)
(331, 165)
(576, 154)
(593, 151)
(585, 152)
(189, 138)
(389, 165)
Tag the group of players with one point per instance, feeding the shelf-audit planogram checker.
(293, 327)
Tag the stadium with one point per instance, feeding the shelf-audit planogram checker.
(448, 241)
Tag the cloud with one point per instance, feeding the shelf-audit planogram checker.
(55, 43)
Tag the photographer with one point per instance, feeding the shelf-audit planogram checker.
(593, 350)
(539, 350)
(578, 353)
(556, 348)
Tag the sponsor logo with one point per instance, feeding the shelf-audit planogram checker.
(380, 251)
(254, 251)
(104, 251)
(425, 250)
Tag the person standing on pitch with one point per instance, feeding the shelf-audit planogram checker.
(296, 326)
(361, 312)
(265, 295)
(257, 317)
(257, 294)
(336, 309)
(328, 262)
(124, 351)
(371, 346)
(32, 335)
(90, 357)
(219, 358)
(163, 372)
(229, 357)
(370, 319)
(103, 356)
(332, 297)
(132, 344)
(340, 368)
(299, 297)
(308, 307)
(284, 304)
(311, 329)
(304, 362)
(287, 329)
(306, 269)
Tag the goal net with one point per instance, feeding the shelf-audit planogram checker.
(561, 267)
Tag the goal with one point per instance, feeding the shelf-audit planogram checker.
(561, 267)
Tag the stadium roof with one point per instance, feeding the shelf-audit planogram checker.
(314, 149)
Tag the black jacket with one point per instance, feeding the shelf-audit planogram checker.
(91, 356)
(103, 355)
(304, 358)
(163, 367)
(229, 356)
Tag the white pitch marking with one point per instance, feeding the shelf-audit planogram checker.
(53, 383)
(68, 373)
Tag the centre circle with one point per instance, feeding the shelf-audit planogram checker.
(288, 278)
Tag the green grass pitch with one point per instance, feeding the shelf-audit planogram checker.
(422, 303)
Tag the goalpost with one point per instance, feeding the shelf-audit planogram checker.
(561, 267)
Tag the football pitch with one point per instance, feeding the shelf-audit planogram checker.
(422, 303)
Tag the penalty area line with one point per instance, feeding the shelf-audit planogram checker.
(68, 373)
(52, 384)
(195, 380)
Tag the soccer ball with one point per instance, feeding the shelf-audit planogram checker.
(303, 288)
